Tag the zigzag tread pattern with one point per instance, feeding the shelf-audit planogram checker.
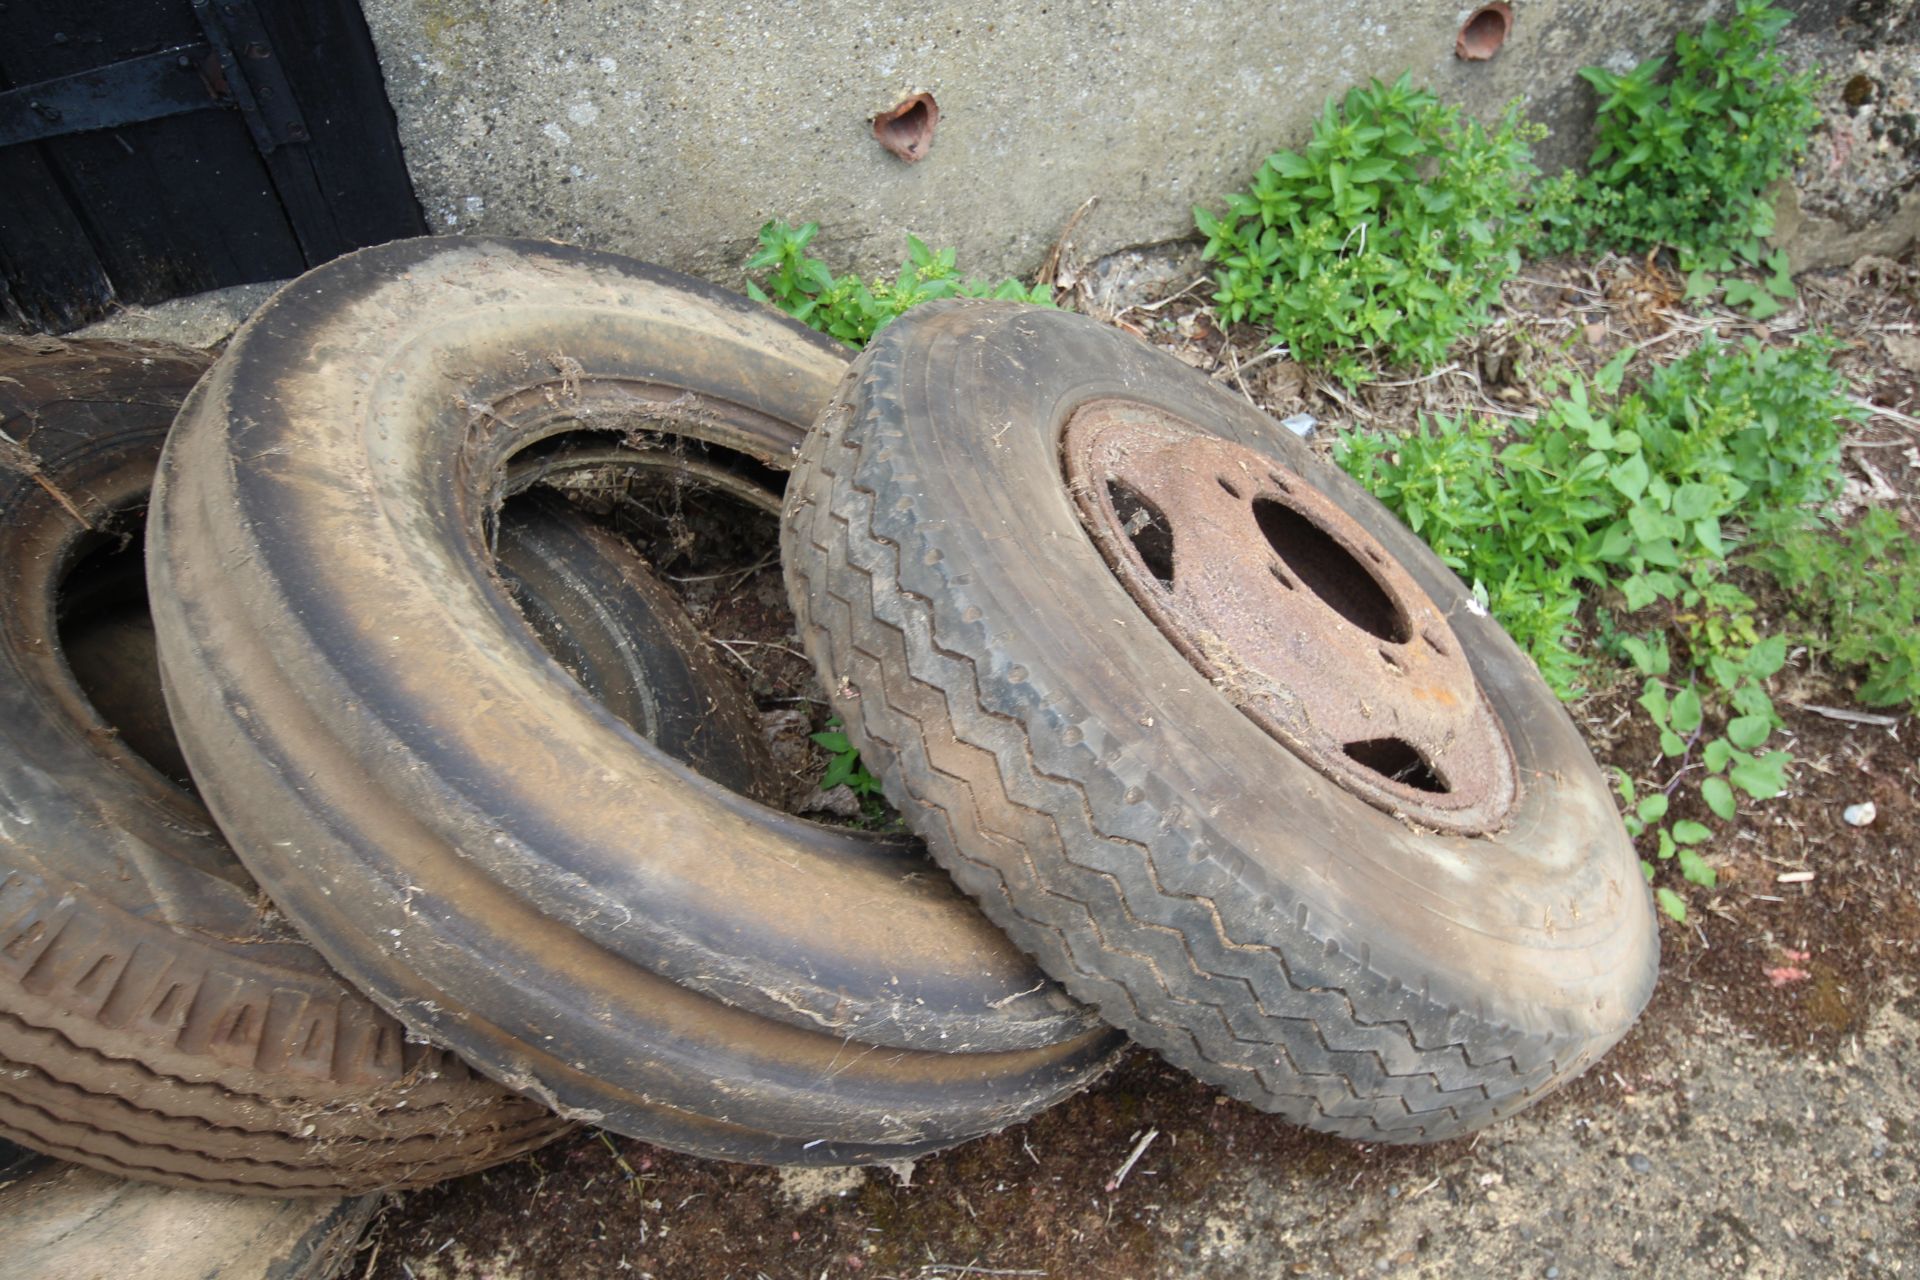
(1024, 839)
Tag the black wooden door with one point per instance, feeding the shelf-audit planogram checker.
(151, 149)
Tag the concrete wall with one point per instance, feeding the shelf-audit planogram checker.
(671, 131)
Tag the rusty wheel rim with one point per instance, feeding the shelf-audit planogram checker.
(1294, 612)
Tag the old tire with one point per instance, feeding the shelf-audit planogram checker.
(158, 1019)
(530, 882)
(1118, 814)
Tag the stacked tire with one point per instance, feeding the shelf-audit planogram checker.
(158, 1019)
(453, 830)
(453, 818)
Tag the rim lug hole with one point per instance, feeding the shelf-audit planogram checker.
(1233, 490)
(1434, 642)
(1391, 661)
(1280, 576)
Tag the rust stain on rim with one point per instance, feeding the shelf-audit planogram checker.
(1294, 612)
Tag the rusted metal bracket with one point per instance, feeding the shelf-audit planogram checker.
(170, 82)
(253, 75)
(234, 68)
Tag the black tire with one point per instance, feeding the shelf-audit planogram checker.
(157, 1019)
(1112, 809)
(619, 632)
(67, 1223)
(530, 882)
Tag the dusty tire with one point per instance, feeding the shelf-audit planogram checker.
(1108, 804)
(68, 1223)
(157, 1019)
(530, 882)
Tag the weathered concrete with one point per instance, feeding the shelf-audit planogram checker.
(672, 131)
(1740, 1160)
(1858, 189)
(202, 320)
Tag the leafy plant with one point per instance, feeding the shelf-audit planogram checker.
(1393, 229)
(1751, 431)
(1644, 811)
(1624, 503)
(1684, 160)
(850, 308)
(1761, 298)
(1856, 596)
(1732, 757)
(844, 766)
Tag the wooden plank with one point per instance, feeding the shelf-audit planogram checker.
(171, 206)
(179, 206)
(354, 156)
(50, 277)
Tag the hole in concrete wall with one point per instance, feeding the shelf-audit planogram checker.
(1482, 35)
(907, 130)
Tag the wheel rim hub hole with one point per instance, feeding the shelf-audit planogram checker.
(1146, 527)
(1399, 761)
(1317, 562)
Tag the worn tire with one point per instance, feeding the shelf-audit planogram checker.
(1118, 815)
(157, 1019)
(67, 1223)
(529, 882)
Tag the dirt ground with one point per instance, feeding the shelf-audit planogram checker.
(1762, 1120)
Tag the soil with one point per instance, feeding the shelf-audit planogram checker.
(1763, 1119)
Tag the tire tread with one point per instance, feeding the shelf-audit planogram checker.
(1232, 1012)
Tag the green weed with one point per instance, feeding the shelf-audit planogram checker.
(1392, 231)
(844, 765)
(1683, 160)
(1856, 599)
(1628, 504)
(850, 308)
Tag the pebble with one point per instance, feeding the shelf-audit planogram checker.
(1639, 1163)
(1860, 815)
